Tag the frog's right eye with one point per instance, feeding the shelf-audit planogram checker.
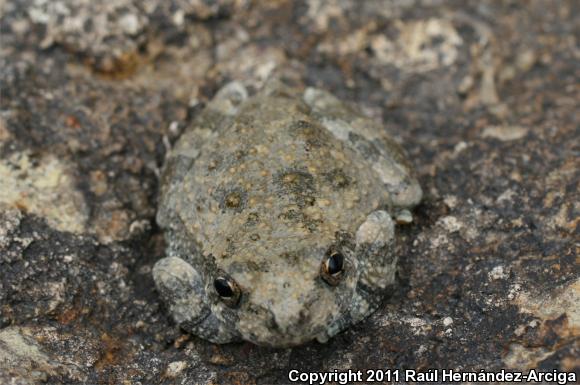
(228, 290)
(332, 268)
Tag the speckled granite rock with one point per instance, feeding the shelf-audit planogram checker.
(483, 95)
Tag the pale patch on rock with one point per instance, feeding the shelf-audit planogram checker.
(56, 294)
(498, 272)
(506, 196)
(44, 187)
(450, 223)
(418, 325)
(451, 201)
(552, 305)
(459, 147)
(522, 357)
(322, 12)
(65, 22)
(545, 306)
(504, 133)
(175, 368)
(9, 220)
(439, 241)
(19, 354)
(421, 46)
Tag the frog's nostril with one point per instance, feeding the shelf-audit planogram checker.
(291, 317)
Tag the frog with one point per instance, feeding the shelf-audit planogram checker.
(279, 207)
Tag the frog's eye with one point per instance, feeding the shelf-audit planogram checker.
(332, 268)
(228, 290)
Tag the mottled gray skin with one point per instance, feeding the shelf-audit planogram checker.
(260, 189)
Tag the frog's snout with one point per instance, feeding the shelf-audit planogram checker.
(290, 319)
(287, 325)
(291, 312)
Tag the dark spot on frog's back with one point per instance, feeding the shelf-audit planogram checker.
(243, 120)
(240, 154)
(301, 127)
(233, 199)
(294, 216)
(338, 178)
(297, 185)
(253, 219)
(291, 258)
(295, 181)
(307, 131)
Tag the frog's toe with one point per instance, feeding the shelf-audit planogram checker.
(322, 338)
(181, 287)
(406, 193)
(403, 217)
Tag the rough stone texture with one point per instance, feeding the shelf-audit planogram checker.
(483, 94)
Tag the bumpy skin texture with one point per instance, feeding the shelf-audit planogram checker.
(261, 189)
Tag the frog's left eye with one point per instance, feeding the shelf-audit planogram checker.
(228, 290)
(332, 268)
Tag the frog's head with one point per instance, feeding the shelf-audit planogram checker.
(309, 291)
(290, 300)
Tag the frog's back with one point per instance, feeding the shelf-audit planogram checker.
(274, 174)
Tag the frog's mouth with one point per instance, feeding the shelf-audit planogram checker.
(289, 339)
(292, 322)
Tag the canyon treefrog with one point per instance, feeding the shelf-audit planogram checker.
(279, 212)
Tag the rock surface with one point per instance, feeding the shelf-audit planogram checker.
(483, 95)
